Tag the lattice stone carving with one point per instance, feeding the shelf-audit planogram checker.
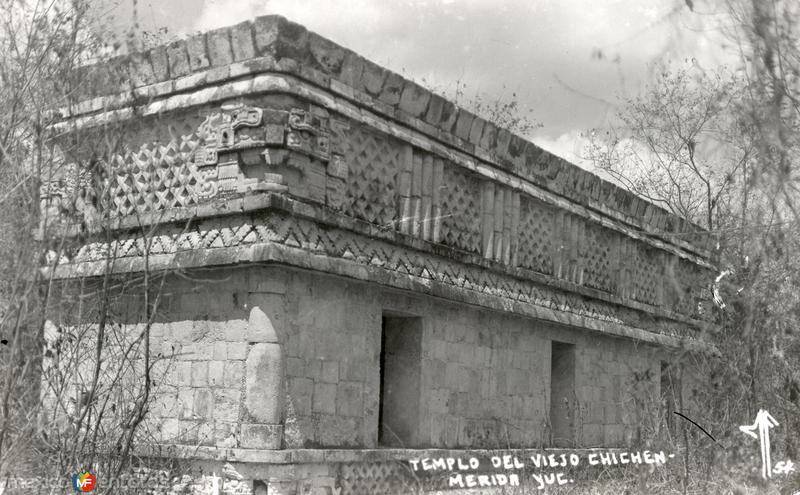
(336, 243)
(461, 195)
(536, 236)
(155, 178)
(687, 284)
(376, 478)
(646, 269)
(374, 163)
(599, 259)
(210, 158)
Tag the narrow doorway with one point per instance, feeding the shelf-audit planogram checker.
(400, 362)
(562, 394)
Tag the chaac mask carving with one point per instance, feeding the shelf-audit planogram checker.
(237, 150)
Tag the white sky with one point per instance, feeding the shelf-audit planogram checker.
(544, 50)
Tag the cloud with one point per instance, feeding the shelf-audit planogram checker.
(568, 61)
(570, 146)
(574, 147)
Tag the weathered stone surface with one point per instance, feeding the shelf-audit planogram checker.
(327, 54)
(219, 47)
(392, 87)
(198, 54)
(330, 371)
(503, 139)
(178, 59)
(141, 70)
(266, 30)
(199, 377)
(242, 41)
(352, 70)
(464, 124)
(349, 400)
(226, 405)
(433, 115)
(235, 350)
(279, 487)
(264, 382)
(259, 327)
(160, 63)
(216, 371)
(448, 116)
(488, 139)
(414, 99)
(476, 130)
(324, 398)
(261, 436)
(233, 374)
(292, 42)
(372, 77)
(516, 148)
(203, 404)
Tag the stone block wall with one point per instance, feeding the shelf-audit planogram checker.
(485, 380)
(618, 392)
(332, 349)
(208, 342)
(484, 376)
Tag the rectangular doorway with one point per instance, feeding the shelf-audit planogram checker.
(400, 363)
(562, 394)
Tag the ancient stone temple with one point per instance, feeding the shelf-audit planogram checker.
(360, 271)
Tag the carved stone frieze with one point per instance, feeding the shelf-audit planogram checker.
(308, 133)
(69, 197)
(219, 133)
(367, 175)
(235, 150)
(307, 235)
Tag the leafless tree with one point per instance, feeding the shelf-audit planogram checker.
(77, 372)
(719, 147)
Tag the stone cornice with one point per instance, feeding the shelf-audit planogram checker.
(258, 229)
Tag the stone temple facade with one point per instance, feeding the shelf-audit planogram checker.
(369, 272)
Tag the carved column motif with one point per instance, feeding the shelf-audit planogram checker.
(337, 169)
(500, 220)
(570, 232)
(405, 180)
(419, 208)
